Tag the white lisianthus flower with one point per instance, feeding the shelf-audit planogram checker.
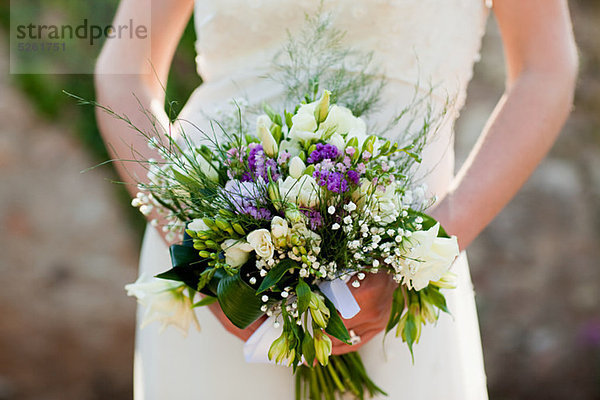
(338, 141)
(303, 191)
(291, 146)
(341, 120)
(236, 251)
(297, 167)
(261, 242)
(164, 301)
(304, 124)
(263, 122)
(279, 228)
(198, 225)
(429, 258)
(207, 168)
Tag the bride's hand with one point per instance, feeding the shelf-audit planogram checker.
(243, 334)
(375, 299)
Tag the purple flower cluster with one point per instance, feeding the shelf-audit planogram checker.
(259, 165)
(335, 176)
(315, 220)
(258, 213)
(323, 152)
(333, 181)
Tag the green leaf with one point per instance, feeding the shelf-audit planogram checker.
(308, 349)
(275, 274)
(435, 297)
(335, 326)
(397, 309)
(410, 333)
(183, 256)
(238, 301)
(303, 293)
(206, 301)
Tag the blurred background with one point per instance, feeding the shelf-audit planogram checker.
(70, 241)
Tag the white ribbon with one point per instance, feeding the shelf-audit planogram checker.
(257, 347)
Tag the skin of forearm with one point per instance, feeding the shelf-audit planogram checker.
(519, 133)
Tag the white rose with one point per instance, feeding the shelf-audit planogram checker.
(341, 120)
(164, 301)
(302, 191)
(297, 167)
(279, 228)
(261, 242)
(269, 144)
(429, 258)
(198, 225)
(236, 251)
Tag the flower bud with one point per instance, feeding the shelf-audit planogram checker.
(224, 225)
(211, 224)
(318, 310)
(322, 346)
(238, 228)
(322, 108)
(278, 348)
(447, 281)
(273, 191)
(269, 143)
(369, 144)
(297, 167)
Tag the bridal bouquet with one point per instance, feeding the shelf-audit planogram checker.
(279, 219)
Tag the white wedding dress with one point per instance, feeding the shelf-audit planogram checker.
(415, 41)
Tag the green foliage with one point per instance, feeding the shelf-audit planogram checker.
(238, 301)
(276, 273)
(45, 91)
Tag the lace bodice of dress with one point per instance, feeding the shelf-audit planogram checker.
(412, 40)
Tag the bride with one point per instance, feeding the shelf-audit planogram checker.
(411, 39)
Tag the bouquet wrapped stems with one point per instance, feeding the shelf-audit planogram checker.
(344, 373)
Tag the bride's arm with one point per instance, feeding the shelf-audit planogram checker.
(542, 66)
(541, 61)
(119, 91)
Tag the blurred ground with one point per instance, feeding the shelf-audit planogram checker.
(66, 326)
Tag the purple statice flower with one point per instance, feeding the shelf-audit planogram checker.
(315, 220)
(284, 157)
(246, 177)
(257, 213)
(340, 167)
(354, 176)
(260, 165)
(322, 152)
(321, 177)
